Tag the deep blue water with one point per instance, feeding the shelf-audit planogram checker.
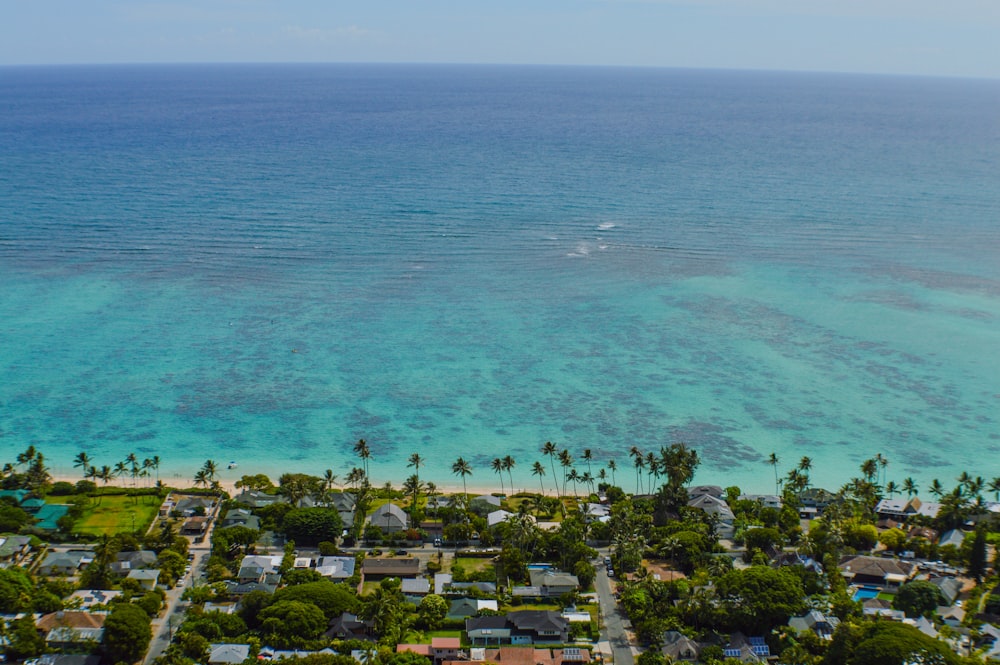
(265, 263)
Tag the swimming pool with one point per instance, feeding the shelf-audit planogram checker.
(865, 593)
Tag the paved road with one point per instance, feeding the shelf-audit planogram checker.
(172, 616)
(613, 622)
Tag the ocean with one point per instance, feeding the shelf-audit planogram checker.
(264, 263)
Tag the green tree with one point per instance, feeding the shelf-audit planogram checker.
(15, 590)
(25, 640)
(432, 611)
(462, 468)
(332, 599)
(760, 598)
(292, 621)
(977, 554)
(127, 633)
(918, 598)
(886, 643)
(309, 526)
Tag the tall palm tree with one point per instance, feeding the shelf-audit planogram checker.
(640, 463)
(497, 466)
(883, 463)
(588, 455)
(415, 461)
(566, 462)
(773, 461)
(653, 466)
(550, 449)
(133, 466)
(82, 461)
(612, 467)
(910, 486)
(588, 480)
(147, 464)
(363, 452)
(508, 465)
(574, 477)
(538, 470)
(805, 464)
(891, 488)
(329, 479)
(869, 468)
(463, 469)
(936, 488)
(120, 469)
(156, 467)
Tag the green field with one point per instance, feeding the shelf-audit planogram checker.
(117, 514)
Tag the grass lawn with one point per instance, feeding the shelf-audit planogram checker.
(117, 514)
(882, 595)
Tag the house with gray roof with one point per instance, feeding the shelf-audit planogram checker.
(679, 647)
(257, 499)
(950, 588)
(717, 508)
(147, 578)
(816, 622)
(228, 654)
(953, 537)
(125, 562)
(65, 563)
(553, 583)
(14, 549)
(523, 627)
(390, 518)
(881, 571)
(336, 568)
(484, 504)
(241, 517)
(415, 586)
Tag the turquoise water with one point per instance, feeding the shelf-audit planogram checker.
(264, 264)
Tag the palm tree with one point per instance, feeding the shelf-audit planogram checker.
(363, 452)
(883, 464)
(329, 479)
(566, 462)
(805, 464)
(936, 488)
(508, 465)
(612, 467)
(773, 461)
(133, 466)
(538, 470)
(869, 468)
(588, 480)
(200, 478)
(497, 466)
(910, 486)
(120, 469)
(587, 457)
(640, 463)
(550, 449)
(412, 486)
(355, 476)
(653, 464)
(147, 464)
(574, 476)
(994, 486)
(156, 467)
(415, 461)
(82, 461)
(211, 469)
(463, 469)
(891, 488)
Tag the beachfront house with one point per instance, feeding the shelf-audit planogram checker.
(902, 510)
(390, 518)
(717, 508)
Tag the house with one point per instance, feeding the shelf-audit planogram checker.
(419, 649)
(379, 569)
(523, 655)
(347, 626)
(128, 561)
(445, 648)
(85, 599)
(390, 518)
(765, 500)
(257, 499)
(497, 517)
(222, 608)
(241, 517)
(189, 506)
(14, 549)
(484, 504)
(524, 627)
(344, 503)
(717, 508)
(65, 563)
(68, 659)
(816, 622)
(903, 509)
(73, 638)
(417, 586)
(880, 571)
(65, 629)
(747, 649)
(269, 585)
(228, 654)
(596, 512)
(255, 568)
(950, 588)
(195, 526)
(336, 568)
(47, 516)
(553, 583)
(953, 537)
(713, 491)
(814, 500)
(678, 646)
(147, 579)
(462, 608)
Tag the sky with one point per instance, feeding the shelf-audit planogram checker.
(918, 37)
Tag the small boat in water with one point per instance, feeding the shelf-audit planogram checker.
(232, 465)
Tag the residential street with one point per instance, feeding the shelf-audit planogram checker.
(162, 625)
(614, 625)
